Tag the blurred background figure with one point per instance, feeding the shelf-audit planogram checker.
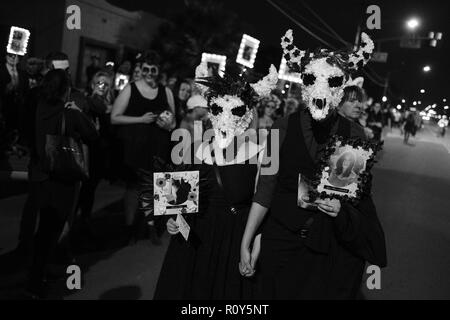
(443, 124)
(197, 110)
(409, 127)
(375, 121)
(266, 111)
(184, 92)
(290, 106)
(100, 151)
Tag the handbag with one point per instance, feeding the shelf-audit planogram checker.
(65, 157)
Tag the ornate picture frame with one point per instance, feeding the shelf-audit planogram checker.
(344, 170)
(176, 192)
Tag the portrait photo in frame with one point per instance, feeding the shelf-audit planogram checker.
(175, 192)
(284, 73)
(215, 63)
(247, 51)
(18, 41)
(345, 169)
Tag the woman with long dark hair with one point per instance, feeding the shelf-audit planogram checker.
(57, 196)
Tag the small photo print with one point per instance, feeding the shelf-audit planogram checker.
(176, 192)
(18, 41)
(247, 51)
(342, 175)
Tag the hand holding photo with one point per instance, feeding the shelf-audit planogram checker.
(176, 192)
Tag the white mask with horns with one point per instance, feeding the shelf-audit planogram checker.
(324, 73)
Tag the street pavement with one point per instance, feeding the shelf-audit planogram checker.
(411, 190)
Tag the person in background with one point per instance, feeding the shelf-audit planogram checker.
(183, 93)
(409, 127)
(375, 121)
(266, 111)
(137, 72)
(443, 124)
(351, 107)
(56, 198)
(290, 106)
(144, 133)
(197, 110)
(100, 153)
(12, 85)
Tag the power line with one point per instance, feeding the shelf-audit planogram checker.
(338, 37)
(310, 22)
(299, 24)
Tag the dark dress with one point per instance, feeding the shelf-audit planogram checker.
(307, 254)
(207, 265)
(142, 142)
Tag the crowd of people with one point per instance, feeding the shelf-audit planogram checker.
(126, 135)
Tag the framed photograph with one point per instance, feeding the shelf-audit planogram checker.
(121, 81)
(247, 51)
(18, 41)
(345, 169)
(215, 63)
(284, 73)
(175, 192)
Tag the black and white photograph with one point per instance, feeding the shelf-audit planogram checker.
(127, 171)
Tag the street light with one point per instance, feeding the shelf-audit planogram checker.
(412, 23)
(422, 90)
(427, 69)
(384, 99)
(403, 100)
(444, 100)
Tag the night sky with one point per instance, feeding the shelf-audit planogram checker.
(404, 65)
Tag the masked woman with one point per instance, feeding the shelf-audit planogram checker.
(317, 251)
(206, 265)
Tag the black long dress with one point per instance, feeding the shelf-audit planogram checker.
(142, 142)
(206, 266)
(308, 254)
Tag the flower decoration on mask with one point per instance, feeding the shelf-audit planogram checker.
(324, 73)
(231, 100)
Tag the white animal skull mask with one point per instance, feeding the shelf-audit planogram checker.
(324, 74)
(230, 117)
(231, 100)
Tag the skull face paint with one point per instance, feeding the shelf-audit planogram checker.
(322, 87)
(229, 117)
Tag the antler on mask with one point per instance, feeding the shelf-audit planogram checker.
(264, 86)
(292, 54)
(359, 58)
